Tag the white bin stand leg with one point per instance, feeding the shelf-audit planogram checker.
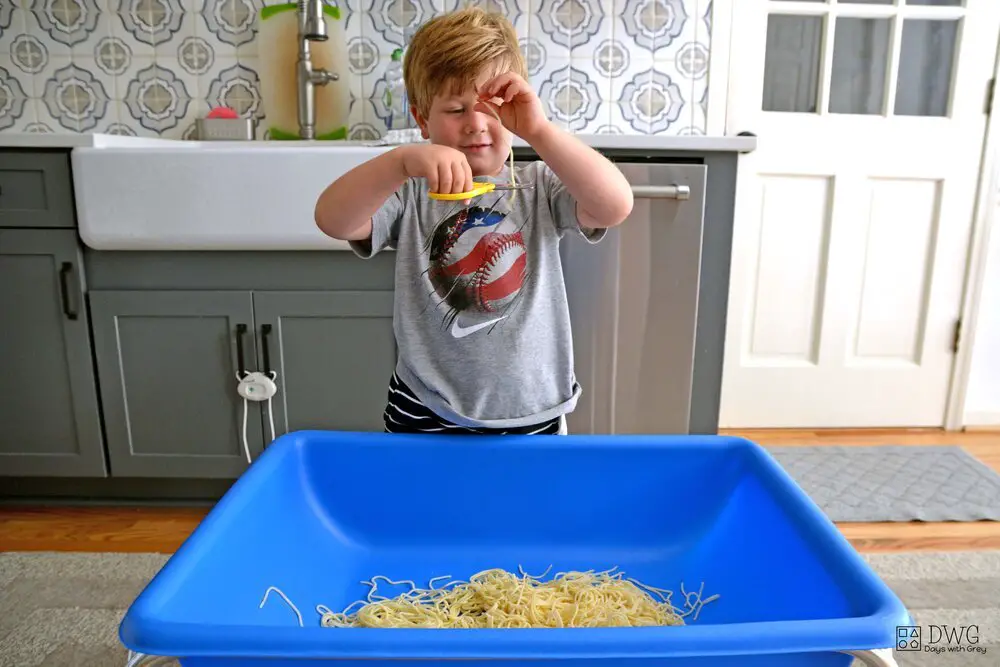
(877, 657)
(143, 660)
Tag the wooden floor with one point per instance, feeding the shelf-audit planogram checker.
(162, 530)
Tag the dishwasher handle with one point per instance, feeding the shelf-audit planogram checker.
(661, 191)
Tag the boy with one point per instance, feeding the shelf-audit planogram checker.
(481, 318)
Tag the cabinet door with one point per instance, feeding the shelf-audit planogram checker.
(333, 353)
(168, 364)
(49, 419)
(36, 189)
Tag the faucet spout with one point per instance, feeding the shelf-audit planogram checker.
(312, 28)
(311, 24)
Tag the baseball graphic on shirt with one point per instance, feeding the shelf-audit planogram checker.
(478, 263)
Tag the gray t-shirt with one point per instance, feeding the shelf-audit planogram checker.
(481, 317)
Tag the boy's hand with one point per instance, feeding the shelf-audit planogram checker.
(521, 112)
(446, 169)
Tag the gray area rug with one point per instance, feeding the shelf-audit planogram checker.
(63, 610)
(894, 483)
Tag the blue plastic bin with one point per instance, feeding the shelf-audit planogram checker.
(320, 512)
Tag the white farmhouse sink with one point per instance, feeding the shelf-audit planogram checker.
(184, 195)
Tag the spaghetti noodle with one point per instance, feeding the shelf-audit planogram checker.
(496, 598)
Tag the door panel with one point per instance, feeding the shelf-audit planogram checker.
(168, 363)
(49, 414)
(333, 353)
(854, 214)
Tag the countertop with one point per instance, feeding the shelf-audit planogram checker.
(698, 144)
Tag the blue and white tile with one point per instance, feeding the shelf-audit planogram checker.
(546, 83)
(604, 30)
(28, 56)
(232, 84)
(67, 22)
(195, 56)
(652, 102)
(168, 39)
(369, 114)
(15, 99)
(133, 33)
(356, 112)
(108, 82)
(157, 99)
(374, 91)
(13, 22)
(74, 97)
(653, 24)
(127, 73)
(397, 20)
(538, 35)
(187, 84)
(572, 23)
(536, 55)
(103, 29)
(628, 63)
(576, 96)
(522, 25)
(220, 63)
(39, 35)
(233, 22)
(112, 121)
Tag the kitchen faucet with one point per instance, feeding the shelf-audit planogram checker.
(312, 28)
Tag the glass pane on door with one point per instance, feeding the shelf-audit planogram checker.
(866, 2)
(792, 63)
(926, 59)
(934, 3)
(860, 60)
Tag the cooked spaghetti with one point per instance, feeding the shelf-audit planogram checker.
(499, 599)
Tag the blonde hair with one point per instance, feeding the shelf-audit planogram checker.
(450, 51)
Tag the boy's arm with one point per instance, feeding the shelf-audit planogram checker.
(603, 195)
(345, 208)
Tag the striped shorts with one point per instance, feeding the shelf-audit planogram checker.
(404, 413)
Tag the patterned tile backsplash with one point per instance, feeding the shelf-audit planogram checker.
(151, 67)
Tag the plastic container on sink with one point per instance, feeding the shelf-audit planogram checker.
(320, 512)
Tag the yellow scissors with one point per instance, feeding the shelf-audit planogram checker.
(480, 189)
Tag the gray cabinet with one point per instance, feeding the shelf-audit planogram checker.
(168, 363)
(49, 419)
(333, 353)
(36, 190)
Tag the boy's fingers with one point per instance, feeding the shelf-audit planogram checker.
(458, 178)
(444, 178)
(468, 174)
(485, 107)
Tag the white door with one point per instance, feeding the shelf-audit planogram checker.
(854, 214)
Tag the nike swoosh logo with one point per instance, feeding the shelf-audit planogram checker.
(458, 331)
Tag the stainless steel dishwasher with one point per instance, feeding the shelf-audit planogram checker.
(633, 298)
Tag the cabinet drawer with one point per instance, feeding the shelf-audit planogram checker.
(36, 190)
